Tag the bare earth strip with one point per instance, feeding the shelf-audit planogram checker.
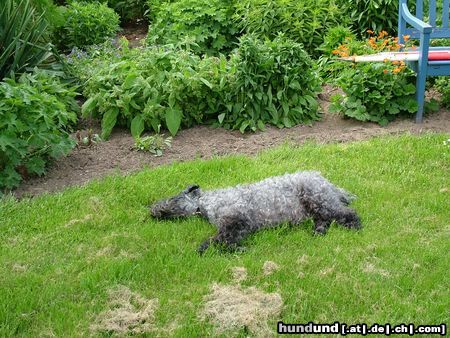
(116, 154)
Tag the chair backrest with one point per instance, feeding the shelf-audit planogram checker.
(434, 15)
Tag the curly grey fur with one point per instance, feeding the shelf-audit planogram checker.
(244, 209)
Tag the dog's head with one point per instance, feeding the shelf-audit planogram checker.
(181, 205)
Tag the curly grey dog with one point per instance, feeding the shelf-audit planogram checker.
(244, 209)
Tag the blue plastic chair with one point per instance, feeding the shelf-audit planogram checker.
(417, 28)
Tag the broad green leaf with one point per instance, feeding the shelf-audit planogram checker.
(244, 126)
(206, 82)
(89, 106)
(137, 126)
(173, 119)
(221, 117)
(108, 122)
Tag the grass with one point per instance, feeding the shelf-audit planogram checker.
(61, 253)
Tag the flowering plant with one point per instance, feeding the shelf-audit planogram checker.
(374, 92)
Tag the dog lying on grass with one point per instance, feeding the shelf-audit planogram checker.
(244, 209)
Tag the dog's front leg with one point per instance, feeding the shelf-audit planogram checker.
(232, 230)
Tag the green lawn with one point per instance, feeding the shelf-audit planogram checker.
(61, 253)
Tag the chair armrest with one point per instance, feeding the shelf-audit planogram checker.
(423, 27)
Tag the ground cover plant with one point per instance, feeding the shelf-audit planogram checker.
(90, 261)
(36, 112)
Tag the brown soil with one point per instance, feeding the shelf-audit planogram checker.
(117, 155)
(135, 32)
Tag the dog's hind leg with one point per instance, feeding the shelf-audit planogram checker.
(348, 218)
(232, 230)
(344, 216)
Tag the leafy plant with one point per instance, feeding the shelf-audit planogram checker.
(23, 38)
(87, 139)
(203, 28)
(275, 82)
(129, 9)
(263, 82)
(146, 88)
(302, 21)
(154, 144)
(374, 92)
(376, 15)
(154, 6)
(335, 37)
(35, 112)
(442, 84)
(86, 24)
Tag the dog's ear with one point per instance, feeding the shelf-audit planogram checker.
(193, 190)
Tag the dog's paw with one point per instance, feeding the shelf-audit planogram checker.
(203, 247)
(320, 230)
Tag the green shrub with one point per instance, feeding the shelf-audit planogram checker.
(303, 21)
(374, 92)
(263, 82)
(82, 64)
(34, 114)
(203, 27)
(275, 82)
(376, 15)
(23, 38)
(335, 36)
(86, 24)
(154, 6)
(153, 88)
(50, 11)
(442, 84)
(129, 9)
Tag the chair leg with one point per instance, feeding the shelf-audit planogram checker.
(420, 95)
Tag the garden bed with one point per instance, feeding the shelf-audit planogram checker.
(117, 155)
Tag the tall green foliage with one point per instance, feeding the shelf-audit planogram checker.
(376, 15)
(261, 83)
(23, 38)
(204, 27)
(34, 114)
(303, 21)
(87, 24)
(275, 82)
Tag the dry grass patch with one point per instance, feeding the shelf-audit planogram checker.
(270, 267)
(128, 313)
(239, 273)
(231, 308)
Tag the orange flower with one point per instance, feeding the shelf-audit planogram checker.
(385, 71)
(382, 34)
(406, 37)
(396, 70)
(370, 31)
